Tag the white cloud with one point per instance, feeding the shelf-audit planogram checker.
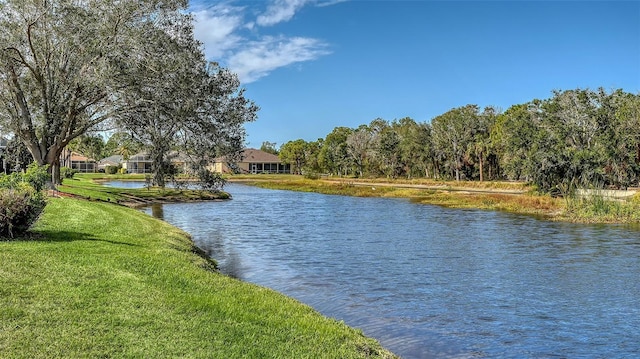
(279, 11)
(261, 57)
(231, 36)
(217, 28)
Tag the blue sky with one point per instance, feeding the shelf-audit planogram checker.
(313, 65)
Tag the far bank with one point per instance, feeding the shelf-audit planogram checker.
(514, 197)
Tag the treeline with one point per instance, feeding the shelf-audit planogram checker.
(576, 138)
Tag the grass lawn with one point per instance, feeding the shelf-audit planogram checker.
(97, 280)
(88, 186)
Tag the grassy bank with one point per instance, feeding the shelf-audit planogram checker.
(502, 196)
(88, 186)
(100, 280)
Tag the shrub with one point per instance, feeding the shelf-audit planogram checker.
(210, 181)
(311, 175)
(67, 172)
(21, 199)
(37, 176)
(19, 209)
(123, 171)
(111, 170)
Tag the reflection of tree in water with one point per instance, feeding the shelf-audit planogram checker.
(229, 262)
(157, 211)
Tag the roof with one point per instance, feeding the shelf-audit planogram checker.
(252, 155)
(76, 157)
(173, 156)
(111, 160)
(140, 157)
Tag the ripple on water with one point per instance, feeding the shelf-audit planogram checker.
(430, 282)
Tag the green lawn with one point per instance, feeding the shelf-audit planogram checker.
(97, 280)
(89, 187)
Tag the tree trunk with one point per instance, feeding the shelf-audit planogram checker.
(480, 163)
(53, 160)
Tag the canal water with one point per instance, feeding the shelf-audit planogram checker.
(431, 282)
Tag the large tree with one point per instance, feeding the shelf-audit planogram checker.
(295, 154)
(453, 133)
(334, 157)
(180, 102)
(66, 67)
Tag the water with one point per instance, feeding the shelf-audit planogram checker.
(429, 282)
(124, 184)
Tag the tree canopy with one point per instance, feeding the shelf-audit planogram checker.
(575, 138)
(70, 67)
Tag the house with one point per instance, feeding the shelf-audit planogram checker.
(251, 160)
(3, 148)
(115, 160)
(142, 162)
(77, 162)
(138, 163)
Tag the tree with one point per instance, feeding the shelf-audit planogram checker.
(513, 134)
(481, 141)
(17, 156)
(416, 149)
(89, 145)
(122, 143)
(453, 134)
(294, 153)
(360, 144)
(269, 147)
(388, 151)
(62, 66)
(334, 157)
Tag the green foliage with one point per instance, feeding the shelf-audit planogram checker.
(67, 172)
(111, 170)
(574, 139)
(21, 200)
(19, 209)
(311, 175)
(35, 177)
(295, 154)
(210, 181)
(269, 147)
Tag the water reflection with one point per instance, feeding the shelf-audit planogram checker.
(430, 282)
(157, 210)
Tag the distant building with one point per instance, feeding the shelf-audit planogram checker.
(251, 160)
(77, 162)
(138, 163)
(115, 160)
(3, 162)
(142, 163)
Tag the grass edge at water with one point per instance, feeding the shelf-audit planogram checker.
(101, 280)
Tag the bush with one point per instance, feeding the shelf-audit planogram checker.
(111, 170)
(36, 177)
(67, 172)
(21, 199)
(311, 175)
(210, 181)
(123, 171)
(19, 209)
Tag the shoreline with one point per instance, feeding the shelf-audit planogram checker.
(95, 266)
(510, 197)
